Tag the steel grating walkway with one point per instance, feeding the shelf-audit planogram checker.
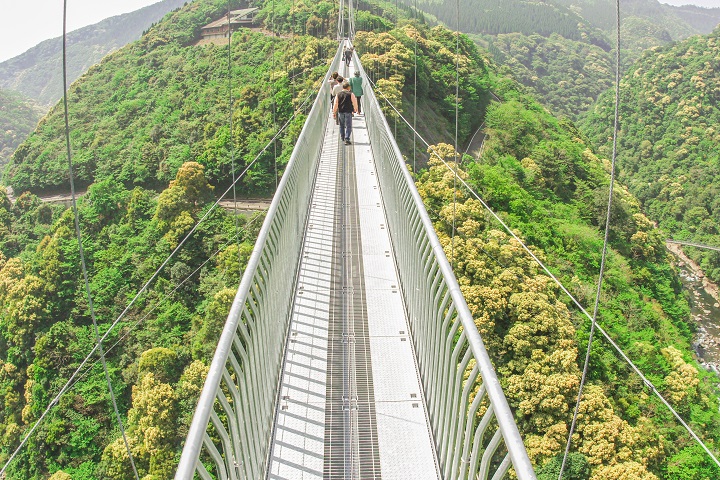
(350, 405)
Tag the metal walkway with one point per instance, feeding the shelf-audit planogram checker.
(351, 404)
(349, 351)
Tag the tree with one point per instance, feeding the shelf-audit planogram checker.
(576, 468)
(151, 433)
(209, 330)
(623, 471)
(180, 202)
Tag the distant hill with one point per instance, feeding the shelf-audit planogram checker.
(495, 17)
(679, 22)
(702, 19)
(669, 154)
(18, 117)
(37, 73)
(562, 49)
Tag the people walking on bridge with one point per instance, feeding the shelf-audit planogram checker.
(347, 55)
(357, 89)
(345, 106)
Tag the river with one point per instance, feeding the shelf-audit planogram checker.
(705, 311)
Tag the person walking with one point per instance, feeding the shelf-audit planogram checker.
(357, 89)
(347, 53)
(345, 106)
(338, 86)
(332, 81)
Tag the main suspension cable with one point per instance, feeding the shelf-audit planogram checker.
(562, 287)
(593, 322)
(274, 93)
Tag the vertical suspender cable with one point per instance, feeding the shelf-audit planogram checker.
(415, 90)
(232, 139)
(83, 265)
(274, 93)
(351, 20)
(341, 20)
(593, 322)
(292, 43)
(397, 25)
(457, 121)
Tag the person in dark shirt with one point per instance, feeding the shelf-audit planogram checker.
(345, 106)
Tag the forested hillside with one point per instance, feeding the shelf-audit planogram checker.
(568, 75)
(151, 137)
(18, 117)
(669, 153)
(679, 22)
(37, 73)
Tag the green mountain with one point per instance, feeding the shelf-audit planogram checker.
(37, 73)
(669, 154)
(18, 117)
(151, 139)
(144, 111)
(561, 49)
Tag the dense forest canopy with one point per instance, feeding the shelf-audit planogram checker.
(151, 139)
(567, 74)
(669, 153)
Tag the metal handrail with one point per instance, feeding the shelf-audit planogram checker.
(231, 430)
(456, 372)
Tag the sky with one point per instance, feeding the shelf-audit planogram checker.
(701, 3)
(25, 23)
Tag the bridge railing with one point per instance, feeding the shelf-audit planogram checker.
(231, 430)
(474, 430)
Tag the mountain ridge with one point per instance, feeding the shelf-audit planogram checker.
(36, 73)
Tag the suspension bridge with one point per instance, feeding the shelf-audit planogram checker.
(349, 351)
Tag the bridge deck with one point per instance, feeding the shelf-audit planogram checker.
(350, 402)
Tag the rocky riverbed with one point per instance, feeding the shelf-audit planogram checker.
(705, 309)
